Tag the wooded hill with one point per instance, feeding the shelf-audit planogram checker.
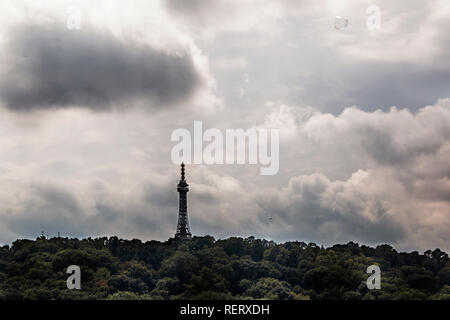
(204, 268)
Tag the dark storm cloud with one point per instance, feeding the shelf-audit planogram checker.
(161, 196)
(50, 209)
(319, 210)
(51, 66)
(380, 146)
(370, 85)
(382, 85)
(198, 10)
(53, 209)
(188, 5)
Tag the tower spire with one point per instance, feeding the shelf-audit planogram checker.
(182, 171)
(183, 231)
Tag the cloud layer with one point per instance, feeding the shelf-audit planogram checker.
(352, 166)
(402, 199)
(48, 66)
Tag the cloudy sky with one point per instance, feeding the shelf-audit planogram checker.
(86, 117)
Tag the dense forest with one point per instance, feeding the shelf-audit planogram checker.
(204, 268)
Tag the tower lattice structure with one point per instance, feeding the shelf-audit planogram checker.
(183, 231)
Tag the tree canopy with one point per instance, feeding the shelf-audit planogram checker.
(203, 268)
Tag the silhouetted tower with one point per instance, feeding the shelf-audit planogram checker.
(183, 232)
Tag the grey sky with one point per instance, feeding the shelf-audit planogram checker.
(364, 119)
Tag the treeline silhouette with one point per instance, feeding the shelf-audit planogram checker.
(204, 268)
